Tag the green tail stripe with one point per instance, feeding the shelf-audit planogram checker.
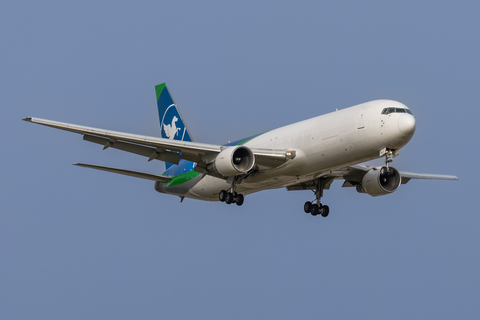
(158, 89)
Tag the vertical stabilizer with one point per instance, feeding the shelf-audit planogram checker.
(172, 125)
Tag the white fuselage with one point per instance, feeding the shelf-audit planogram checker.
(321, 144)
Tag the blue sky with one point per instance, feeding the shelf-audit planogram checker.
(77, 243)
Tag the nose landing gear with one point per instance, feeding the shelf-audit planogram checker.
(389, 155)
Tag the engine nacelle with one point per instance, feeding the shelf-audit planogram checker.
(233, 161)
(380, 181)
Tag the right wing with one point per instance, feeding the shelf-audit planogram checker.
(163, 149)
(359, 169)
(406, 176)
(353, 175)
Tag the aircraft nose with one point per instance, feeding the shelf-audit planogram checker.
(406, 124)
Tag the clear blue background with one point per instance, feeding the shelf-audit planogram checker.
(81, 244)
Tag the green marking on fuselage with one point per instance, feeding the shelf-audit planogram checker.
(181, 178)
(158, 89)
(246, 140)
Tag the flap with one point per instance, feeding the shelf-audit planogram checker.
(151, 152)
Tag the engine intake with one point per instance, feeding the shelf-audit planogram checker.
(233, 161)
(380, 181)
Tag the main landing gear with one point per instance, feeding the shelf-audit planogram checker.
(317, 208)
(231, 197)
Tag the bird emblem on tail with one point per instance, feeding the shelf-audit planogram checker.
(171, 130)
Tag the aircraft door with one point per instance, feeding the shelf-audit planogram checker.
(361, 121)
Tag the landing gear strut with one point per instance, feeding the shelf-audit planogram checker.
(389, 154)
(317, 208)
(388, 157)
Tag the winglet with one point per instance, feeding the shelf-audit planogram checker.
(27, 119)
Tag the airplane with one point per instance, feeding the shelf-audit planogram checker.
(307, 155)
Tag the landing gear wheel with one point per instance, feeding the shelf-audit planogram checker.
(307, 207)
(315, 210)
(222, 195)
(240, 199)
(229, 198)
(324, 211)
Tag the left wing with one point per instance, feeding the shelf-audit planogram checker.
(163, 149)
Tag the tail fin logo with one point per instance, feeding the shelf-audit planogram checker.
(171, 130)
(171, 127)
(171, 123)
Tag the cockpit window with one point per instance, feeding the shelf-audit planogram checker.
(396, 110)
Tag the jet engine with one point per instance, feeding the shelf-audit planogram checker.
(233, 161)
(380, 181)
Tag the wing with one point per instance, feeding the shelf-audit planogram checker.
(162, 149)
(406, 176)
(360, 169)
(353, 175)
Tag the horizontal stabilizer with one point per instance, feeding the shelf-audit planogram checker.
(130, 173)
